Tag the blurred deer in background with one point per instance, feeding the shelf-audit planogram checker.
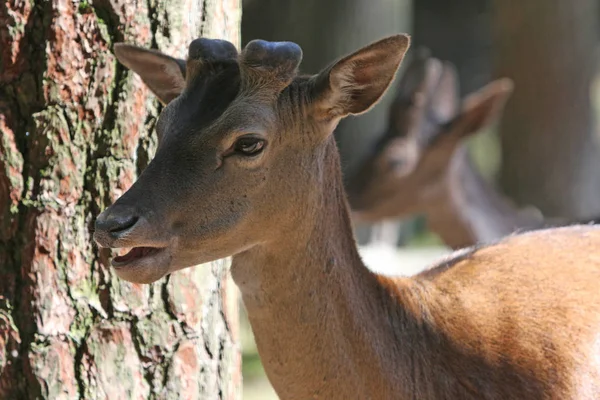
(422, 165)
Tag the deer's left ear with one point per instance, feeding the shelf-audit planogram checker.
(356, 82)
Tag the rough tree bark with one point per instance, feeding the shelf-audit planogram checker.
(75, 130)
(326, 30)
(550, 153)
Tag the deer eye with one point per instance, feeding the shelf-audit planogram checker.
(249, 145)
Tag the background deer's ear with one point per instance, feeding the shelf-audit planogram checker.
(482, 108)
(164, 75)
(408, 107)
(417, 76)
(445, 101)
(356, 82)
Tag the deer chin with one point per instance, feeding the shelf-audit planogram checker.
(143, 264)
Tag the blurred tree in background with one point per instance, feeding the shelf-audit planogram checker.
(74, 133)
(550, 155)
(457, 31)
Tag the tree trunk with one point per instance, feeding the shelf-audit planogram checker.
(549, 148)
(326, 30)
(75, 130)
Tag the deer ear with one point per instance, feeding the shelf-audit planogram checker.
(445, 101)
(356, 82)
(164, 75)
(483, 107)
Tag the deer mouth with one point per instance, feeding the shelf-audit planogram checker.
(134, 255)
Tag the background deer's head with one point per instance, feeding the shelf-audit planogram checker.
(409, 168)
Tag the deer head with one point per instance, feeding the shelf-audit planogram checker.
(408, 168)
(241, 148)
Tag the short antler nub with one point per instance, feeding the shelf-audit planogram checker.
(276, 62)
(275, 55)
(208, 54)
(212, 50)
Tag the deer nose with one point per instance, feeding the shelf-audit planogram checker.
(116, 221)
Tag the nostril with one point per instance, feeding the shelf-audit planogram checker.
(122, 224)
(114, 222)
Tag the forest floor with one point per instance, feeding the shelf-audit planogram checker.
(382, 259)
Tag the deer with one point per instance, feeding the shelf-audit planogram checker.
(247, 167)
(421, 165)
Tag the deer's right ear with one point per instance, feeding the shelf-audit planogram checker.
(164, 75)
(356, 82)
(483, 107)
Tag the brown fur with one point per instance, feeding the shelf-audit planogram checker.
(517, 320)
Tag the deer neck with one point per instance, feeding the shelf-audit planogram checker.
(321, 319)
(471, 210)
